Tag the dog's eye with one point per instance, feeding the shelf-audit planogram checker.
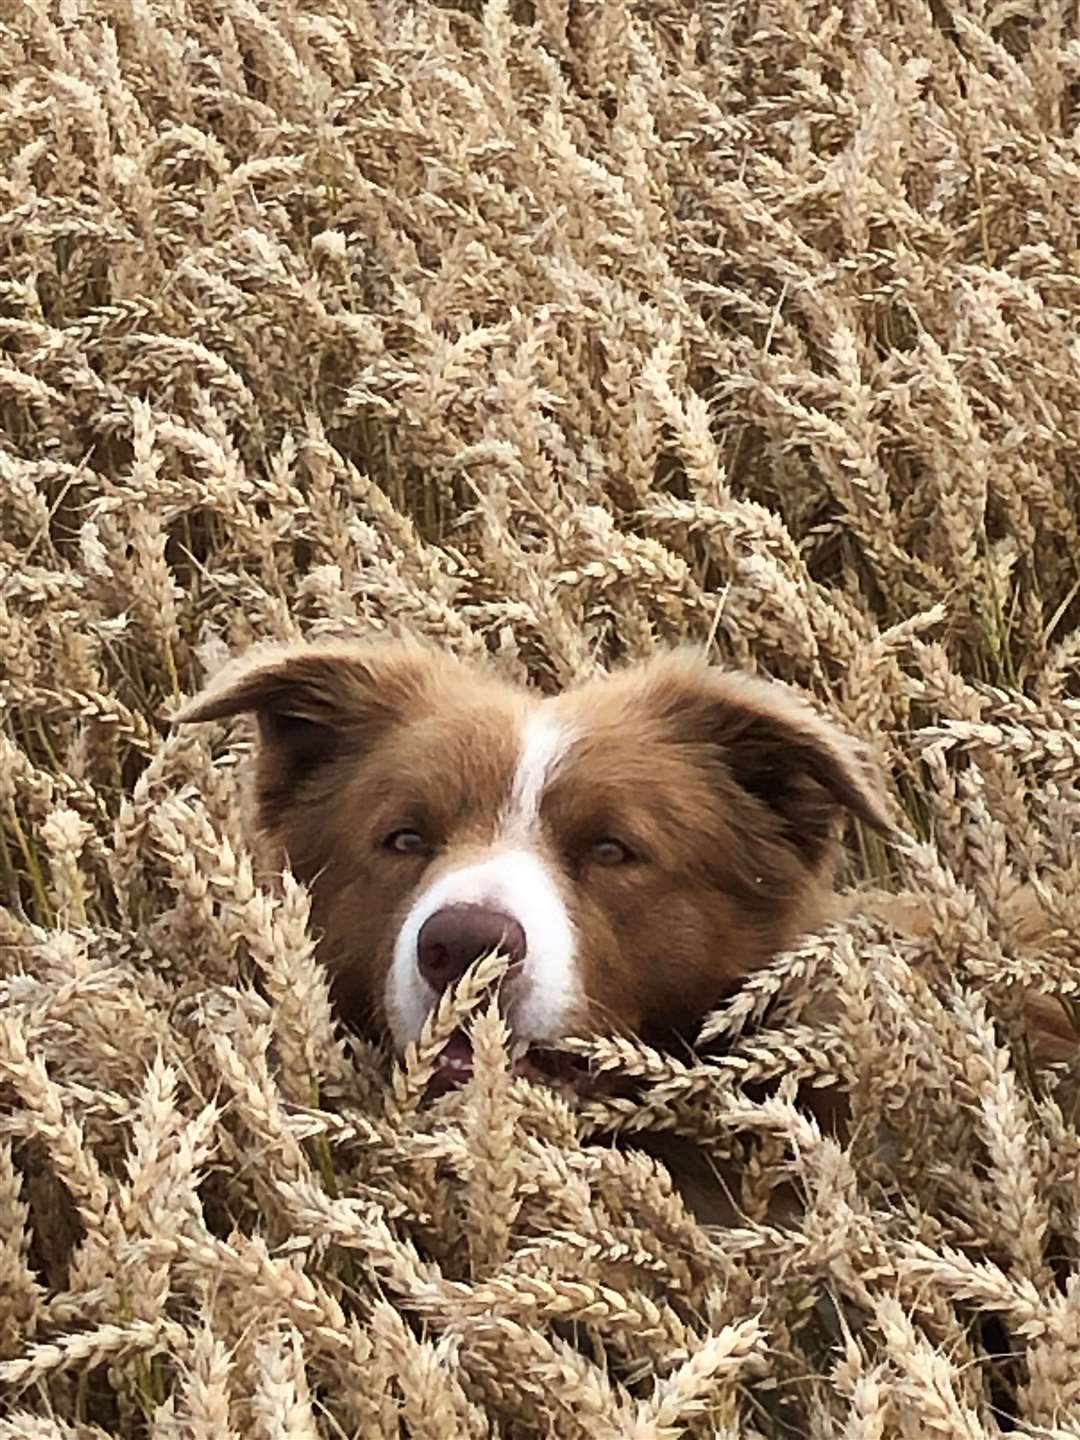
(406, 842)
(609, 851)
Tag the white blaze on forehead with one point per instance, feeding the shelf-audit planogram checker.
(544, 743)
(515, 876)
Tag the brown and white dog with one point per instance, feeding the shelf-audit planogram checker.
(637, 846)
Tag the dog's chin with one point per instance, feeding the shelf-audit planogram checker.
(535, 1063)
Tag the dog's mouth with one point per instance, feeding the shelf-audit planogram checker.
(542, 1066)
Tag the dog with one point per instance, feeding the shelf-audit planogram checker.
(637, 846)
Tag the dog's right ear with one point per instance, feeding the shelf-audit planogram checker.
(312, 703)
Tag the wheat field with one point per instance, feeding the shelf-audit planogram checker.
(556, 332)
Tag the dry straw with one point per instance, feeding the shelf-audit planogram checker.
(559, 331)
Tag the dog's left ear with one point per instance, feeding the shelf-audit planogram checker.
(312, 703)
(802, 768)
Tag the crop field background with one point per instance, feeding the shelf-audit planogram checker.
(556, 332)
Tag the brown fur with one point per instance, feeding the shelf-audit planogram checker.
(1051, 1034)
(354, 742)
(727, 789)
(733, 790)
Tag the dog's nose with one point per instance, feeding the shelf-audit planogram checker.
(451, 939)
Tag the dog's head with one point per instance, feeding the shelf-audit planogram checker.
(637, 846)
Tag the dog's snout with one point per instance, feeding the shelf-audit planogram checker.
(451, 939)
